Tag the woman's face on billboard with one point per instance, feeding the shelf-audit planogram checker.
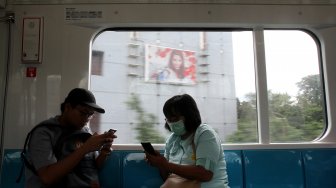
(177, 61)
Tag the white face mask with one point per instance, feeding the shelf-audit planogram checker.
(177, 127)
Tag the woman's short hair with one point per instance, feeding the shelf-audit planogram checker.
(183, 105)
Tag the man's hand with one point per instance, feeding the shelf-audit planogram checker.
(96, 141)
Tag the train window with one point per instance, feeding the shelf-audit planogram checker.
(295, 95)
(140, 70)
(97, 62)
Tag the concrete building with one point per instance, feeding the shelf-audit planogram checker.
(121, 65)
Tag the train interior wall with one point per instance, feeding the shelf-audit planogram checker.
(26, 100)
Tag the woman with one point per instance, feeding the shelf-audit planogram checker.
(193, 150)
(176, 64)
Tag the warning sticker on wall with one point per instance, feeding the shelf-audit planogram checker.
(77, 14)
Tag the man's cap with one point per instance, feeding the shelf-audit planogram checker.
(83, 96)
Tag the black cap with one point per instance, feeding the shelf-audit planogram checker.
(83, 96)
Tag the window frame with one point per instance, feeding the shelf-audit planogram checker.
(261, 82)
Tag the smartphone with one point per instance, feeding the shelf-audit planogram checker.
(148, 148)
(113, 130)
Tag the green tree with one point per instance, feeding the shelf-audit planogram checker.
(281, 131)
(284, 118)
(310, 101)
(247, 121)
(310, 91)
(146, 122)
(281, 110)
(290, 120)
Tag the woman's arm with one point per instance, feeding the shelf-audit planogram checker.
(187, 171)
(194, 172)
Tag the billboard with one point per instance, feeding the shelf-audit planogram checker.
(170, 65)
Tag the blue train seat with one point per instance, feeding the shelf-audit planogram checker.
(268, 168)
(320, 167)
(273, 168)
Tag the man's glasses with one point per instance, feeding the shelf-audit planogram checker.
(86, 114)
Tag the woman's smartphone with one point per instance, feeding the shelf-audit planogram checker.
(148, 148)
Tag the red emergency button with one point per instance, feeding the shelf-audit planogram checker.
(31, 72)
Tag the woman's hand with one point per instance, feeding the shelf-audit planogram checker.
(156, 160)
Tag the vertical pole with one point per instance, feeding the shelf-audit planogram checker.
(261, 84)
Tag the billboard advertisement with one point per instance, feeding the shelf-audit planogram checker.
(170, 65)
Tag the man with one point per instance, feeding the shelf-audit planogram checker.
(61, 152)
